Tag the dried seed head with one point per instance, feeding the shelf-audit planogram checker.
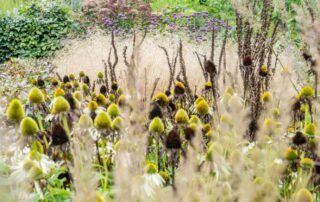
(202, 107)
(101, 100)
(102, 121)
(162, 99)
(299, 138)
(291, 154)
(15, 111)
(247, 61)
(210, 67)
(114, 86)
(306, 92)
(59, 92)
(310, 129)
(179, 88)
(156, 125)
(66, 79)
(208, 85)
(85, 121)
(181, 117)
(28, 126)
(113, 110)
(263, 71)
(155, 112)
(71, 100)
(173, 140)
(190, 131)
(35, 96)
(303, 195)
(60, 105)
(54, 82)
(103, 89)
(86, 80)
(58, 135)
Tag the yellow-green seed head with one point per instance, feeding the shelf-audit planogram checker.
(208, 85)
(156, 125)
(206, 128)
(100, 75)
(75, 84)
(117, 123)
(113, 110)
(306, 91)
(92, 105)
(179, 88)
(82, 74)
(35, 96)
(15, 111)
(120, 91)
(306, 163)
(266, 97)
(291, 154)
(165, 176)
(60, 105)
(28, 126)
(72, 77)
(101, 100)
(111, 97)
(264, 69)
(78, 95)
(85, 88)
(102, 121)
(151, 168)
(85, 121)
(35, 173)
(202, 107)
(303, 195)
(162, 98)
(122, 100)
(181, 117)
(199, 99)
(195, 119)
(68, 85)
(61, 84)
(59, 92)
(310, 129)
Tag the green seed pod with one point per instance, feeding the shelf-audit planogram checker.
(151, 168)
(100, 75)
(59, 92)
(181, 117)
(111, 97)
(15, 111)
(93, 105)
(85, 121)
(35, 173)
(195, 119)
(102, 121)
(28, 127)
(72, 77)
(101, 100)
(156, 125)
(266, 97)
(162, 98)
(202, 107)
(306, 91)
(113, 110)
(60, 105)
(35, 96)
(310, 129)
(117, 123)
(291, 154)
(78, 95)
(303, 195)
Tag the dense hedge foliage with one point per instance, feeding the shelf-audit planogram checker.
(35, 31)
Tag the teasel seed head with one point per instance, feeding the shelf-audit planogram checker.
(66, 79)
(210, 67)
(92, 105)
(151, 168)
(156, 125)
(263, 71)
(114, 86)
(299, 138)
(306, 92)
(15, 111)
(111, 97)
(291, 154)
(266, 97)
(100, 75)
(179, 88)
(117, 123)
(58, 135)
(59, 92)
(85, 121)
(81, 74)
(303, 195)
(101, 100)
(102, 121)
(122, 100)
(161, 98)
(202, 107)
(36, 96)
(310, 129)
(28, 126)
(181, 117)
(208, 85)
(60, 105)
(173, 140)
(247, 60)
(155, 112)
(103, 89)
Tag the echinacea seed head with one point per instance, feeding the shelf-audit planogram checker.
(102, 121)
(179, 88)
(72, 101)
(161, 98)
(206, 128)
(85, 121)
(54, 82)
(263, 71)
(303, 195)
(86, 80)
(156, 125)
(101, 100)
(155, 112)
(40, 82)
(76, 84)
(15, 111)
(190, 131)
(68, 85)
(291, 154)
(151, 168)
(72, 77)
(28, 127)
(199, 99)
(113, 110)
(60, 105)
(66, 79)
(208, 85)
(82, 74)
(310, 129)
(202, 107)
(93, 95)
(59, 92)
(181, 117)
(36, 96)
(58, 135)
(306, 92)
(195, 119)
(85, 88)
(173, 140)
(266, 97)
(247, 60)
(120, 91)
(103, 89)
(111, 97)
(117, 123)
(92, 105)
(122, 100)
(210, 67)
(78, 95)
(299, 138)
(100, 75)
(114, 86)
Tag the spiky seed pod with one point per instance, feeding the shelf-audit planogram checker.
(15, 111)
(161, 98)
(60, 105)
(117, 123)
(92, 105)
(122, 100)
(103, 89)
(208, 85)
(113, 110)
(179, 88)
(86, 80)
(247, 61)
(190, 131)
(102, 121)
(78, 95)
(291, 154)
(195, 119)
(66, 79)
(155, 112)
(111, 97)
(151, 168)
(59, 92)
(76, 84)
(181, 117)
(310, 129)
(114, 86)
(263, 71)
(40, 82)
(202, 107)
(36, 96)
(100, 75)
(72, 101)
(68, 85)
(299, 138)
(303, 195)
(306, 92)
(58, 135)
(173, 140)
(156, 125)
(101, 100)
(266, 97)
(199, 99)
(210, 67)
(85, 121)
(54, 82)
(35, 173)
(72, 77)
(85, 88)
(206, 128)
(81, 74)
(28, 126)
